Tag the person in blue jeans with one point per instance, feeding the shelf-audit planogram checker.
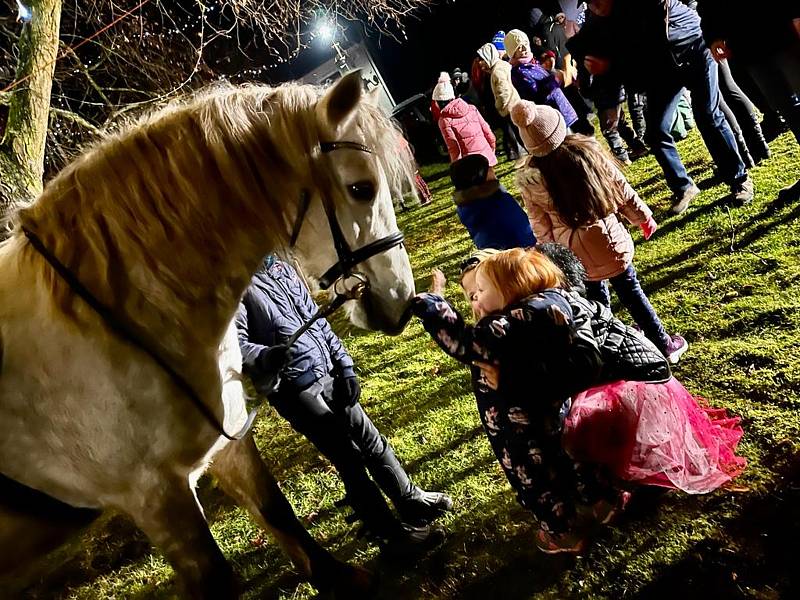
(313, 385)
(657, 46)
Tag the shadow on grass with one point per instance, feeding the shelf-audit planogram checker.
(755, 557)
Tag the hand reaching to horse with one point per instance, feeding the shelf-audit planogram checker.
(438, 281)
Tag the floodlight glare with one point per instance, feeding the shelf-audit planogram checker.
(325, 31)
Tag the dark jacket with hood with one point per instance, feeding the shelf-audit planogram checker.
(274, 306)
(548, 348)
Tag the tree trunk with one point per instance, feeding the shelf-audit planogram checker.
(22, 146)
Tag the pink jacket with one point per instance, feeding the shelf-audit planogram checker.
(465, 132)
(605, 247)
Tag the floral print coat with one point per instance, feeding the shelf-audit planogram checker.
(546, 354)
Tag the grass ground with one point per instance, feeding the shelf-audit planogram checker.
(728, 280)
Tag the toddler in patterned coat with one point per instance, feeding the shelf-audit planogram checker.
(578, 402)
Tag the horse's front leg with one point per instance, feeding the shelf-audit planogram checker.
(245, 477)
(170, 516)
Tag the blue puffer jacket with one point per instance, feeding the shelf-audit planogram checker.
(493, 218)
(275, 305)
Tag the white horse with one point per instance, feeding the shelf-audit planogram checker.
(163, 224)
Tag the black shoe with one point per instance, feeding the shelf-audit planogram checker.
(681, 201)
(790, 193)
(422, 508)
(742, 192)
(408, 541)
(637, 151)
(513, 156)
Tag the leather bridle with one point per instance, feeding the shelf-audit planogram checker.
(337, 274)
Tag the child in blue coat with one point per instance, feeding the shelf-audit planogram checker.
(490, 214)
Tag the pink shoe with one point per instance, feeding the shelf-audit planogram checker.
(675, 348)
(563, 543)
(604, 512)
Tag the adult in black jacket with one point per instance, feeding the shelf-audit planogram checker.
(656, 46)
(318, 393)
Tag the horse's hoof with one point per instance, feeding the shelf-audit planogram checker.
(361, 584)
(349, 582)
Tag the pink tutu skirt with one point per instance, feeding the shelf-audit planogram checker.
(655, 434)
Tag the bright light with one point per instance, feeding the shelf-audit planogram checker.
(325, 31)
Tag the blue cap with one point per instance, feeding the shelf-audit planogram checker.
(498, 41)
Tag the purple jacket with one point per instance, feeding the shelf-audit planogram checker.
(534, 83)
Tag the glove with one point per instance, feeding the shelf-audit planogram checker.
(648, 228)
(346, 390)
(270, 362)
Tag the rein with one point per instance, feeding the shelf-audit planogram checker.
(338, 273)
(126, 332)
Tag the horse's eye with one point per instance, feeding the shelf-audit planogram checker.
(362, 190)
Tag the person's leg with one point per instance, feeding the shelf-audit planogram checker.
(632, 297)
(598, 291)
(744, 111)
(415, 506)
(510, 145)
(636, 107)
(778, 77)
(662, 102)
(609, 119)
(741, 144)
(701, 79)
(636, 147)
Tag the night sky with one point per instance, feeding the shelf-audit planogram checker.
(441, 39)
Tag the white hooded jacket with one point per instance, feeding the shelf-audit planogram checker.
(505, 96)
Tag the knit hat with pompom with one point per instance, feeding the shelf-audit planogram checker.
(444, 89)
(542, 128)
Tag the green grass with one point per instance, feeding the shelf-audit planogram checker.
(729, 280)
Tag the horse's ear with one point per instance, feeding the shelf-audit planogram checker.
(337, 106)
(374, 96)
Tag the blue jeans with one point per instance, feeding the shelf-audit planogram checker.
(632, 297)
(698, 73)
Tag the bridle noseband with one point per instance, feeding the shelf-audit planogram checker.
(348, 258)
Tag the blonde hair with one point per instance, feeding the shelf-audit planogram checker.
(519, 273)
(174, 182)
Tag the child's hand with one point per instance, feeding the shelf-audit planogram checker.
(490, 374)
(438, 281)
(649, 228)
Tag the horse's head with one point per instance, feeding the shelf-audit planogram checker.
(361, 162)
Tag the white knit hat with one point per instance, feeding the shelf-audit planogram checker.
(542, 128)
(514, 39)
(444, 89)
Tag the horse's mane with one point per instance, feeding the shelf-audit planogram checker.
(155, 188)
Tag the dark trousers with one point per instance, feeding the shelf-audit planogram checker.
(632, 297)
(511, 139)
(615, 129)
(744, 112)
(699, 75)
(778, 77)
(636, 106)
(344, 435)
